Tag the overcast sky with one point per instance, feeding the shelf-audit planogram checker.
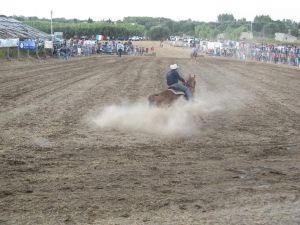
(197, 10)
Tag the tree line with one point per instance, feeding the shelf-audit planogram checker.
(157, 28)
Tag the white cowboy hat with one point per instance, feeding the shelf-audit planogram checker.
(173, 67)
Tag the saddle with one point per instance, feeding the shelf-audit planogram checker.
(175, 91)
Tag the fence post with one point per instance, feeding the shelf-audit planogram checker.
(7, 53)
(37, 50)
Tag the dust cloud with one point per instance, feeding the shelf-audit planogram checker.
(182, 118)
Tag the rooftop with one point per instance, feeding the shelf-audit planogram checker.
(11, 28)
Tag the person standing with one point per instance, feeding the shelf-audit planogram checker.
(161, 43)
(120, 49)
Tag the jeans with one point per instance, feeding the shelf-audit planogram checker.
(119, 52)
(66, 56)
(180, 87)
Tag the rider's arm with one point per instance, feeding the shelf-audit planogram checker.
(181, 78)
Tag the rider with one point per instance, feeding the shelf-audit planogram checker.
(194, 51)
(173, 78)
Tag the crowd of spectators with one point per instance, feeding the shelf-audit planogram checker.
(74, 47)
(278, 54)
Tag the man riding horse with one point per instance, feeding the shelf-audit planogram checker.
(173, 78)
(175, 90)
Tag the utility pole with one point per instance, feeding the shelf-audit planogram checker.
(51, 24)
(52, 38)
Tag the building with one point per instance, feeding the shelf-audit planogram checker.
(11, 28)
(285, 37)
(246, 36)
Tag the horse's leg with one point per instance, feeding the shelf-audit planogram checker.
(156, 100)
(152, 100)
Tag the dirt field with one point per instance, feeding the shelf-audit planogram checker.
(80, 145)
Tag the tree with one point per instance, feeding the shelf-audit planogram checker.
(109, 21)
(235, 33)
(168, 23)
(148, 22)
(162, 27)
(242, 20)
(186, 27)
(292, 27)
(204, 31)
(281, 27)
(270, 29)
(260, 21)
(90, 20)
(225, 18)
(159, 33)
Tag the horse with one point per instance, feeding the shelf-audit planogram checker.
(169, 96)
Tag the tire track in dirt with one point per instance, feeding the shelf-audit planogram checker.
(282, 97)
(271, 80)
(143, 74)
(20, 72)
(53, 91)
(273, 97)
(46, 77)
(266, 145)
(55, 79)
(230, 83)
(109, 78)
(42, 70)
(44, 74)
(93, 84)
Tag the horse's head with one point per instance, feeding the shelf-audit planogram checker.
(191, 83)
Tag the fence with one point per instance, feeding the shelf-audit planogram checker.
(289, 55)
(67, 49)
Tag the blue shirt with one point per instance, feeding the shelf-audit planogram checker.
(173, 77)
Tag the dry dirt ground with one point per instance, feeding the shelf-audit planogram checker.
(80, 145)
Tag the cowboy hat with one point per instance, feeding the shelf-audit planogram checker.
(173, 67)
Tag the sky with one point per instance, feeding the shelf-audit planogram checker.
(197, 10)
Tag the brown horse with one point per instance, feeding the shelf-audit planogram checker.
(169, 96)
